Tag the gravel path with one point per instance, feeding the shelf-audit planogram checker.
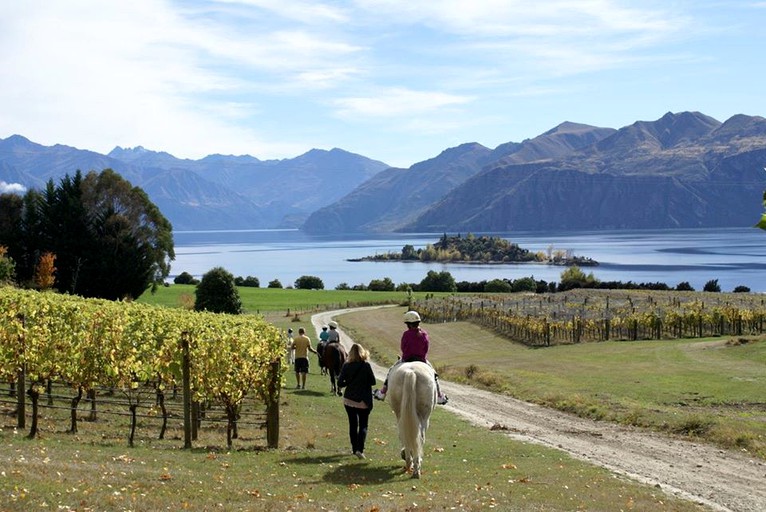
(722, 480)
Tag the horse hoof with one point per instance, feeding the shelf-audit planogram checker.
(416, 475)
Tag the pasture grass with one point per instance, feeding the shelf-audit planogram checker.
(709, 389)
(465, 467)
(262, 300)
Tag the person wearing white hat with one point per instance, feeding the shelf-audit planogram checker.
(414, 347)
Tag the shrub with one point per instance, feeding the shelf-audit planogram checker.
(712, 286)
(185, 278)
(684, 286)
(217, 293)
(498, 286)
(274, 284)
(438, 282)
(741, 289)
(524, 284)
(309, 283)
(381, 285)
(248, 282)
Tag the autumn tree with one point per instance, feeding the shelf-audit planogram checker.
(44, 278)
(7, 266)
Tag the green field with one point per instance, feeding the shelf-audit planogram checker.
(262, 300)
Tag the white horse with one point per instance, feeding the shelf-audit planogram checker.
(412, 395)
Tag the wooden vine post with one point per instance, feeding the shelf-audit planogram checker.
(186, 373)
(21, 381)
(272, 405)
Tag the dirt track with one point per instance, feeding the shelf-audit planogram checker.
(722, 480)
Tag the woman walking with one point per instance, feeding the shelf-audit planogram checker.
(357, 377)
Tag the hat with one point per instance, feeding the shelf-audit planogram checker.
(332, 324)
(324, 327)
(411, 317)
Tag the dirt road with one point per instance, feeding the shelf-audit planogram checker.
(720, 479)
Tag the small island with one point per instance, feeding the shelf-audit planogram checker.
(481, 249)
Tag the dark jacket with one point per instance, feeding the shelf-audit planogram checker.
(358, 379)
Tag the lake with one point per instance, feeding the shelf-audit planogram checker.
(734, 256)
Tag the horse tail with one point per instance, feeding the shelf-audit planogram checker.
(409, 422)
(338, 360)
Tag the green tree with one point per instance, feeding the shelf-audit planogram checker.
(497, 286)
(109, 239)
(438, 282)
(684, 286)
(7, 267)
(217, 293)
(381, 285)
(524, 284)
(274, 284)
(185, 278)
(249, 282)
(309, 283)
(409, 252)
(574, 277)
(712, 286)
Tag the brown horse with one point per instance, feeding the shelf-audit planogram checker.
(333, 357)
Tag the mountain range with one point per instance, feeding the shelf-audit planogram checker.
(683, 170)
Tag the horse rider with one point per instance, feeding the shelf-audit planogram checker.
(414, 346)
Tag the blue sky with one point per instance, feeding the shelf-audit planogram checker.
(394, 80)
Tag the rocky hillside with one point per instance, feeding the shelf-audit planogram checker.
(681, 171)
(396, 198)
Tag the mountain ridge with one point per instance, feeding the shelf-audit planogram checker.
(684, 169)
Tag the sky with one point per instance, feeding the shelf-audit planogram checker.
(394, 80)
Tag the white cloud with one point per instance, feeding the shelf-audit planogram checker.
(398, 102)
(12, 188)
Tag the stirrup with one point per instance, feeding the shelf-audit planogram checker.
(442, 399)
(378, 395)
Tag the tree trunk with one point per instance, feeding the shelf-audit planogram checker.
(34, 395)
(132, 424)
(49, 391)
(231, 425)
(75, 403)
(195, 419)
(161, 402)
(92, 397)
(21, 402)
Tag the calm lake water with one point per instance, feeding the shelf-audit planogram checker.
(734, 256)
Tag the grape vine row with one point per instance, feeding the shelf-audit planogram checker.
(600, 315)
(121, 345)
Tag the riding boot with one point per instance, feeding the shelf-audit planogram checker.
(441, 398)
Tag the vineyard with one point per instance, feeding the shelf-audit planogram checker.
(598, 315)
(138, 352)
